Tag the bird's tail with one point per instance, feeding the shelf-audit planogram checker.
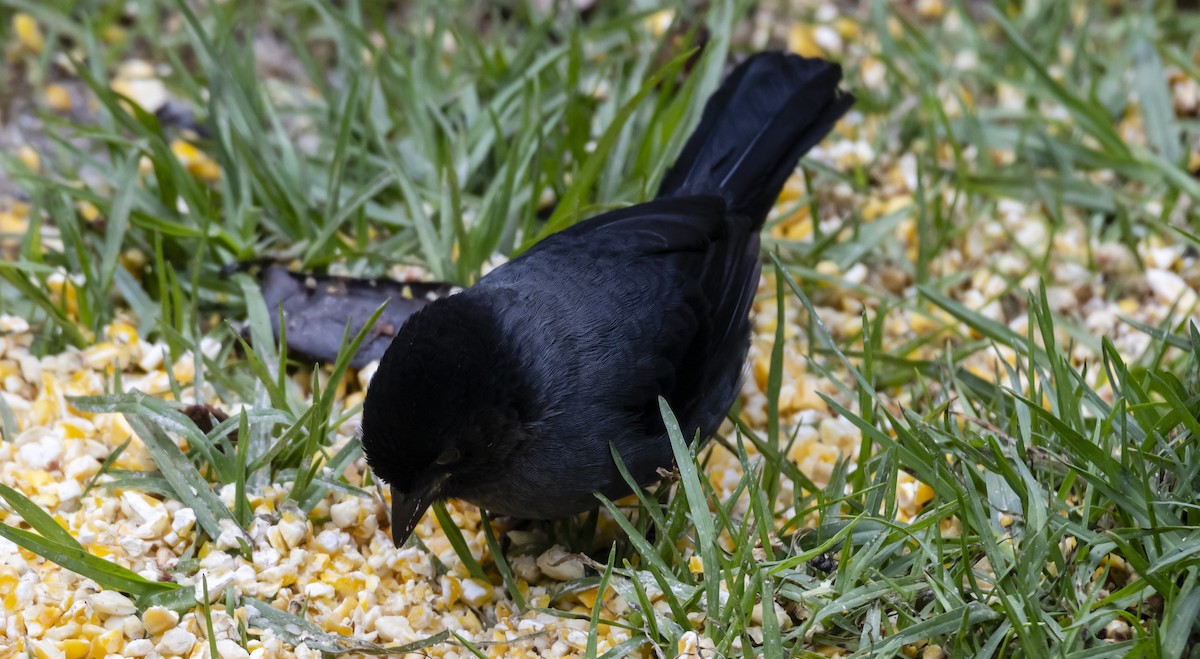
(768, 113)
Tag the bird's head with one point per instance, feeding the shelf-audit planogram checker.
(439, 409)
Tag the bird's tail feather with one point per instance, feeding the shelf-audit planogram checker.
(767, 114)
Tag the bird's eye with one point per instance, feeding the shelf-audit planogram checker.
(448, 456)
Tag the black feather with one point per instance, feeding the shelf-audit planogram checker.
(770, 111)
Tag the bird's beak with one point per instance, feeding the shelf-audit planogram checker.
(407, 510)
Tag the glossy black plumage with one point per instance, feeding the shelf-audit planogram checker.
(509, 394)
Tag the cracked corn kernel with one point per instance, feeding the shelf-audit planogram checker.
(57, 97)
(158, 619)
(847, 28)
(476, 592)
(29, 35)
(87, 210)
(107, 643)
(63, 292)
(802, 41)
(659, 22)
(933, 651)
(924, 494)
(588, 597)
(74, 648)
(112, 33)
(29, 157)
(13, 223)
(196, 161)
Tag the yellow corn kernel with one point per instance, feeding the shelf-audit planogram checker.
(659, 22)
(931, 9)
(58, 518)
(796, 226)
(588, 598)
(476, 592)
(159, 619)
(38, 478)
(112, 34)
(502, 611)
(696, 565)
(196, 161)
(206, 169)
(58, 98)
(133, 260)
(29, 157)
(793, 189)
(470, 621)
(73, 429)
(87, 210)
(43, 649)
(8, 585)
(185, 151)
(801, 41)
(28, 33)
(762, 371)
(896, 204)
(933, 651)
(60, 287)
(800, 229)
(924, 494)
(451, 590)
(847, 28)
(106, 644)
(981, 373)
(75, 648)
(50, 614)
(829, 268)
(13, 224)
(923, 323)
(346, 587)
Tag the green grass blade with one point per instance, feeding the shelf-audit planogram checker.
(74, 558)
(706, 534)
(455, 536)
(40, 520)
(189, 486)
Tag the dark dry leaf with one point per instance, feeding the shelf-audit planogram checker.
(316, 309)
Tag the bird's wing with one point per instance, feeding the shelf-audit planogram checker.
(647, 292)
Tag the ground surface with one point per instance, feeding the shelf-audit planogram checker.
(968, 423)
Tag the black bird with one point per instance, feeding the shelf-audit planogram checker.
(508, 394)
